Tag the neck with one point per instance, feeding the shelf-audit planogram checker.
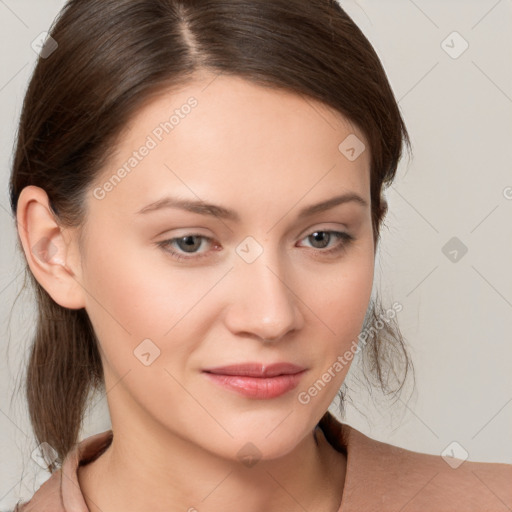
(132, 475)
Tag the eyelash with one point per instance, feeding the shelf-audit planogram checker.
(340, 235)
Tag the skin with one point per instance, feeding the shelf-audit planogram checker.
(265, 154)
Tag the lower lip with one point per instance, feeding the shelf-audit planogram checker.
(257, 387)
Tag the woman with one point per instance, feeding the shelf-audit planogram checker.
(198, 193)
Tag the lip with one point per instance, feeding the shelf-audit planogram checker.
(257, 380)
(256, 369)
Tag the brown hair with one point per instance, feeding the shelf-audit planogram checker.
(114, 55)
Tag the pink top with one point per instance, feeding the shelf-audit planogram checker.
(379, 477)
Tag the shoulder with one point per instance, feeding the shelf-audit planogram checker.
(382, 477)
(45, 498)
(402, 479)
(61, 492)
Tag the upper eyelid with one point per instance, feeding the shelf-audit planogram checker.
(302, 234)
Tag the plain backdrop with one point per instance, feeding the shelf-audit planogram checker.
(446, 248)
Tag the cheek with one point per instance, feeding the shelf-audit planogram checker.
(136, 294)
(340, 296)
(339, 301)
(133, 298)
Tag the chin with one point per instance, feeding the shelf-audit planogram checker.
(261, 437)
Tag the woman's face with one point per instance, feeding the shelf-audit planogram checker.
(174, 291)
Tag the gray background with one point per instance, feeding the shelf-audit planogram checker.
(457, 315)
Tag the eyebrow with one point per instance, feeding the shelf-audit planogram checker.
(203, 208)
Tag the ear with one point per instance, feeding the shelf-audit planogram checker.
(384, 205)
(384, 211)
(51, 251)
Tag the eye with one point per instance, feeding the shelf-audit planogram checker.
(187, 244)
(321, 239)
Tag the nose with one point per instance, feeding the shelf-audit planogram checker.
(263, 303)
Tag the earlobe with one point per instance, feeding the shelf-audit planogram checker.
(48, 253)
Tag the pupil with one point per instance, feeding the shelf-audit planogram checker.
(189, 243)
(321, 235)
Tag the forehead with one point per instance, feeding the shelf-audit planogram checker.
(223, 137)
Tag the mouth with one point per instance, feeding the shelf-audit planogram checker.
(257, 380)
(256, 369)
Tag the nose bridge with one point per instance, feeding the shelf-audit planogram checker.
(265, 303)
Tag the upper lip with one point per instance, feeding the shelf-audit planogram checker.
(257, 369)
